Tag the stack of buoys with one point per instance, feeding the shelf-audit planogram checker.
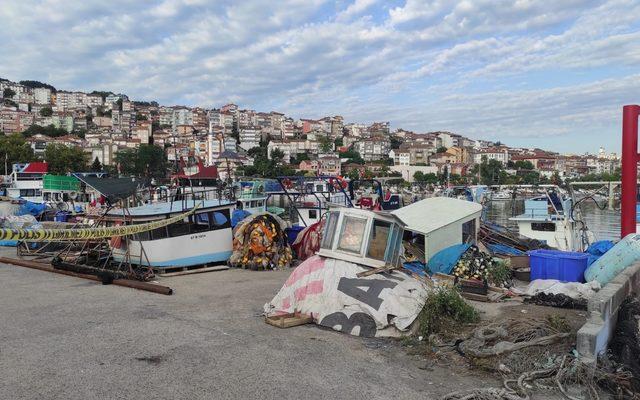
(259, 243)
(473, 264)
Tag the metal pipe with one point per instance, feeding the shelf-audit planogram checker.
(629, 190)
(149, 287)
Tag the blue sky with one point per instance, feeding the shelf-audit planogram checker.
(551, 74)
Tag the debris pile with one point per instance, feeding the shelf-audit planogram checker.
(259, 243)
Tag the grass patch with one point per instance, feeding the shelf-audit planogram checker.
(500, 273)
(444, 311)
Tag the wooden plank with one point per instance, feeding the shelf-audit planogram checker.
(374, 271)
(185, 271)
(288, 320)
(475, 297)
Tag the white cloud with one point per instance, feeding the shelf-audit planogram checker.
(421, 64)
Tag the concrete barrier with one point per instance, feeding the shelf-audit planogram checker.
(595, 334)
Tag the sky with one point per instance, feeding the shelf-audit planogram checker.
(549, 74)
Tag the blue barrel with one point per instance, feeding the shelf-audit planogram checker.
(292, 233)
(565, 266)
(61, 216)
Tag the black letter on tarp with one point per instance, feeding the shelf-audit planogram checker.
(352, 288)
(364, 321)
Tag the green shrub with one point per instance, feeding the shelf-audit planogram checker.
(444, 310)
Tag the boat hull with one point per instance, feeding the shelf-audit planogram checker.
(180, 251)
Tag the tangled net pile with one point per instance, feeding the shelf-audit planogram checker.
(259, 243)
(514, 349)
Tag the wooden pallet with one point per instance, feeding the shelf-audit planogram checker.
(288, 320)
(178, 271)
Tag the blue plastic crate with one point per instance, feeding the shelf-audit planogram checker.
(292, 233)
(565, 266)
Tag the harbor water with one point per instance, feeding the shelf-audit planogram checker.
(604, 223)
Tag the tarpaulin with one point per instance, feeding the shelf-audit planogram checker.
(31, 208)
(505, 250)
(597, 250)
(307, 242)
(444, 260)
(238, 216)
(330, 291)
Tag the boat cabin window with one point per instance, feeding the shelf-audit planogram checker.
(363, 237)
(329, 228)
(352, 234)
(180, 228)
(159, 233)
(469, 231)
(313, 214)
(379, 236)
(543, 226)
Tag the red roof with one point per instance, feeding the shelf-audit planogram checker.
(37, 167)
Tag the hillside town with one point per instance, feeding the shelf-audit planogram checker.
(103, 124)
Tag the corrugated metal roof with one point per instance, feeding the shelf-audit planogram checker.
(428, 215)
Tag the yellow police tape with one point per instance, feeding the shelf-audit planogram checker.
(59, 235)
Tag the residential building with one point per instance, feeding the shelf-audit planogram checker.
(499, 153)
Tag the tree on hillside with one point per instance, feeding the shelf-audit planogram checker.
(492, 172)
(96, 166)
(353, 156)
(339, 142)
(396, 142)
(147, 160)
(521, 164)
(421, 177)
(37, 84)
(324, 144)
(8, 93)
(14, 149)
(46, 111)
(441, 149)
(49, 130)
(64, 159)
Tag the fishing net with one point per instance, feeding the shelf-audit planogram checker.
(259, 243)
(538, 355)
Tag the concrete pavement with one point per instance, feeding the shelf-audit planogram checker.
(67, 338)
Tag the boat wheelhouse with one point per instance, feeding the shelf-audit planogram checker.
(201, 238)
(309, 198)
(551, 218)
(365, 237)
(251, 197)
(26, 181)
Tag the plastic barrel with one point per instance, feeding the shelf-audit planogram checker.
(292, 233)
(565, 266)
(61, 216)
(614, 261)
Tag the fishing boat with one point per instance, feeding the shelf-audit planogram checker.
(309, 198)
(501, 196)
(25, 181)
(251, 196)
(551, 218)
(202, 238)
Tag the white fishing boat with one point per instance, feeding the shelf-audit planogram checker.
(25, 181)
(501, 196)
(551, 218)
(202, 238)
(251, 197)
